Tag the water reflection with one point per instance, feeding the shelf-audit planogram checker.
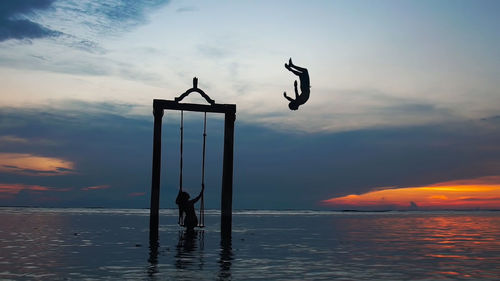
(43, 244)
(23, 242)
(190, 249)
(442, 245)
(153, 258)
(225, 258)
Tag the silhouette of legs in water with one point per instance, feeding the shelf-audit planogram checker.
(305, 87)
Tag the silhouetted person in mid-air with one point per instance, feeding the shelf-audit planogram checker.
(305, 87)
(186, 206)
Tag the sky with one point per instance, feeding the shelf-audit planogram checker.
(404, 100)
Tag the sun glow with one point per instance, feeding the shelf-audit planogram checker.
(476, 193)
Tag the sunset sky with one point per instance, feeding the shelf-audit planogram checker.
(404, 110)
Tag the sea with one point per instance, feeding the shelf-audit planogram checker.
(113, 244)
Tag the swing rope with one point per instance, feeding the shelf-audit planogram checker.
(202, 203)
(181, 214)
(182, 148)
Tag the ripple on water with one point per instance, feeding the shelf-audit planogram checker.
(266, 245)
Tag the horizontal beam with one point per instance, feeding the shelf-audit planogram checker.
(173, 105)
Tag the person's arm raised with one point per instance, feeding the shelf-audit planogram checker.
(199, 195)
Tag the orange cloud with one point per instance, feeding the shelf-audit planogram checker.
(473, 193)
(32, 165)
(96, 187)
(10, 190)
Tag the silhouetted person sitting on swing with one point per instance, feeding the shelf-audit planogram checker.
(186, 206)
(305, 87)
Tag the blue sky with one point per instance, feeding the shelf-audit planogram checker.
(404, 93)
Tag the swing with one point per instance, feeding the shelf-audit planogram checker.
(201, 221)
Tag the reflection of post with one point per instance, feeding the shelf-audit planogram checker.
(227, 175)
(153, 258)
(225, 258)
(155, 181)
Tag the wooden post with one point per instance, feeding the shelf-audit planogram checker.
(155, 180)
(227, 176)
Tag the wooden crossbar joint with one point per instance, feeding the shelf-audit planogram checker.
(197, 90)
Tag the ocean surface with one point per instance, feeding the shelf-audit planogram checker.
(92, 244)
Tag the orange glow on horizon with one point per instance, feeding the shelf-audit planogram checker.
(475, 193)
(32, 165)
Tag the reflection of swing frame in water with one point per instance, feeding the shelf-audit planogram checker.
(229, 111)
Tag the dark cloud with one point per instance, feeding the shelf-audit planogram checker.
(273, 170)
(61, 169)
(14, 26)
(108, 18)
(282, 169)
(129, 9)
(100, 17)
(12, 8)
(32, 172)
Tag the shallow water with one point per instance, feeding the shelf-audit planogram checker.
(57, 244)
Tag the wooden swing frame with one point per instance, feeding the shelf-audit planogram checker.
(229, 111)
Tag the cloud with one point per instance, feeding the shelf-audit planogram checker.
(273, 168)
(94, 43)
(337, 110)
(12, 139)
(95, 187)
(15, 25)
(489, 180)
(10, 190)
(83, 29)
(482, 192)
(84, 24)
(33, 165)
